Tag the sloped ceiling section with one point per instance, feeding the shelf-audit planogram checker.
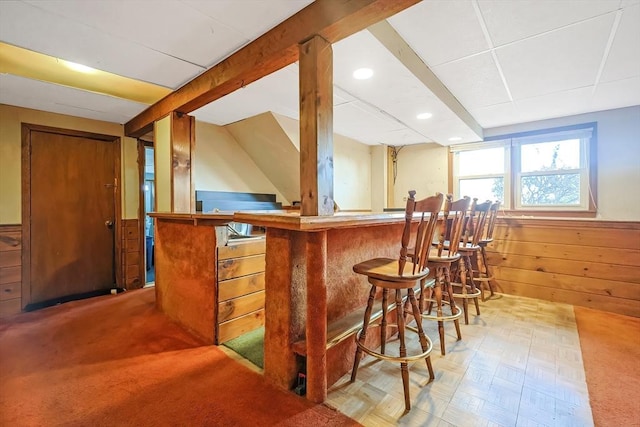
(264, 139)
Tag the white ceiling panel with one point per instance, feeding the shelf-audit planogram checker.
(390, 84)
(121, 19)
(43, 96)
(360, 122)
(624, 56)
(252, 18)
(441, 31)
(475, 80)
(509, 21)
(496, 115)
(617, 94)
(556, 61)
(36, 29)
(575, 101)
(404, 136)
(277, 92)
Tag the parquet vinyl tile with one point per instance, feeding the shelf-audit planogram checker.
(518, 364)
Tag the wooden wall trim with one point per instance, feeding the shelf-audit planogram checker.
(594, 264)
(10, 269)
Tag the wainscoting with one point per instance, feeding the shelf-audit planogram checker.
(10, 269)
(11, 263)
(132, 261)
(588, 263)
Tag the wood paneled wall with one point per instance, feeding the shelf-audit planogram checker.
(594, 264)
(132, 262)
(10, 269)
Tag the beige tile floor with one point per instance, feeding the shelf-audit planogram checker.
(519, 364)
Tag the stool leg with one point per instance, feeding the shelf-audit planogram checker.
(383, 321)
(363, 334)
(472, 283)
(437, 289)
(462, 272)
(404, 366)
(452, 303)
(421, 335)
(487, 272)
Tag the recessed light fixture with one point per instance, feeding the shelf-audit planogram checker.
(363, 73)
(455, 139)
(424, 116)
(79, 67)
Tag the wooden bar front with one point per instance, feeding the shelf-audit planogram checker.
(310, 282)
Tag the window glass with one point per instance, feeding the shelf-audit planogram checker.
(483, 189)
(551, 155)
(481, 162)
(551, 190)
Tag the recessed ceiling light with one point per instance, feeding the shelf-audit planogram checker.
(79, 67)
(424, 116)
(363, 73)
(455, 139)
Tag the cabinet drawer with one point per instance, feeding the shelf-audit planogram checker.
(240, 306)
(10, 291)
(236, 267)
(234, 288)
(241, 325)
(242, 249)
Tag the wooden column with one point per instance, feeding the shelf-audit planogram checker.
(174, 138)
(316, 127)
(316, 327)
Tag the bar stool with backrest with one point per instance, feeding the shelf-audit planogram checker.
(441, 258)
(398, 274)
(484, 272)
(465, 287)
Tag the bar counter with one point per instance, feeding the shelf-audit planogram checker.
(309, 282)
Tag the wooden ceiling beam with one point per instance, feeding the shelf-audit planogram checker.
(333, 20)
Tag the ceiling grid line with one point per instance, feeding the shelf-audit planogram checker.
(607, 50)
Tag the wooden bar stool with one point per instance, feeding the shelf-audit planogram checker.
(484, 272)
(465, 286)
(441, 259)
(398, 274)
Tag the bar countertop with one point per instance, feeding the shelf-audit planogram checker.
(289, 220)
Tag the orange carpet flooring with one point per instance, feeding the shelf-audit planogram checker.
(116, 361)
(611, 355)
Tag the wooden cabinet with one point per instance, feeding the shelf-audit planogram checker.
(240, 289)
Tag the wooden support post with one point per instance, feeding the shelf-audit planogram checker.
(316, 327)
(316, 127)
(174, 138)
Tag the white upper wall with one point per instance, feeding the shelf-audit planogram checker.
(422, 168)
(222, 165)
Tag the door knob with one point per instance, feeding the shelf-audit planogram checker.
(108, 224)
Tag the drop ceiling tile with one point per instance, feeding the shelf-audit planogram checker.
(403, 137)
(37, 95)
(36, 29)
(441, 31)
(359, 122)
(391, 81)
(559, 104)
(508, 21)
(123, 20)
(474, 81)
(616, 94)
(250, 17)
(277, 92)
(557, 61)
(624, 56)
(496, 115)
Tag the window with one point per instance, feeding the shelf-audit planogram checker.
(548, 170)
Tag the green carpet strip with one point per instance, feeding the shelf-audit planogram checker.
(250, 346)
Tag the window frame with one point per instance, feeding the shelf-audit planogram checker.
(586, 133)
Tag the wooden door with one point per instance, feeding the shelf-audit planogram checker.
(72, 215)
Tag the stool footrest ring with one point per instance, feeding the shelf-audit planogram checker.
(405, 359)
